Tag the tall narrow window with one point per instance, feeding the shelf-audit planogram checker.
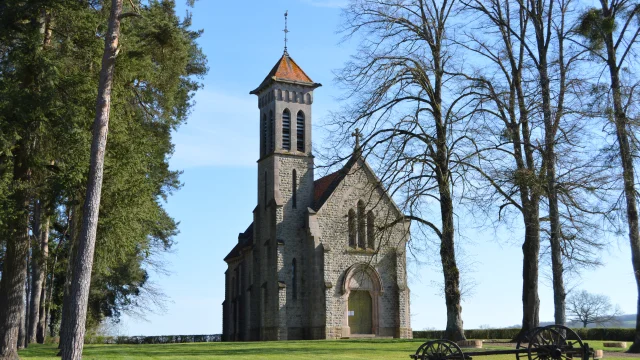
(265, 128)
(294, 196)
(352, 228)
(265, 189)
(272, 136)
(286, 130)
(294, 280)
(361, 226)
(300, 131)
(371, 238)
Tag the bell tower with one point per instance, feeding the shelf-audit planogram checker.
(285, 192)
(285, 99)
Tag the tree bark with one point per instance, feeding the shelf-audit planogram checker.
(72, 350)
(38, 265)
(15, 263)
(628, 171)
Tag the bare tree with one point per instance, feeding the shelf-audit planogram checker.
(587, 308)
(612, 32)
(413, 122)
(83, 263)
(505, 118)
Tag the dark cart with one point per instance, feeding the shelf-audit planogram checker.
(552, 342)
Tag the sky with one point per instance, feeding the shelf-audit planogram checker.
(218, 148)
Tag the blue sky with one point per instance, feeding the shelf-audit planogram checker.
(218, 149)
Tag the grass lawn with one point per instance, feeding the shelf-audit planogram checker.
(283, 350)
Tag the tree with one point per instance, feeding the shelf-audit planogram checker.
(83, 262)
(413, 123)
(611, 32)
(587, 308)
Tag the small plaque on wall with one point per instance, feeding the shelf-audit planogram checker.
(351, 313)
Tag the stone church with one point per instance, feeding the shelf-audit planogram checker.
(324, 258)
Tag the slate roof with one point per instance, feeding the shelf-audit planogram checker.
(324, 187)
(245, 239)
(286, 70)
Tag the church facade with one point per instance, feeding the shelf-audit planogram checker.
(325, 258)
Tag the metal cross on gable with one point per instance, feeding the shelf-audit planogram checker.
(286, 30)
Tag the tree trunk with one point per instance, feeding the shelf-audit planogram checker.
(15, 262)
(22, 331)
(38, 263)
(66, 295)
(74, 341)
(530, 252)
(538, 19)
(455, 329)
(559, 294)
(628, 175)
(41, 329)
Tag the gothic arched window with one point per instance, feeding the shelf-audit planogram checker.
(294, 189)
(362, 229)
(371, 239)
(300, 130)
(294, 280)
(286, 130)
(272, 137)
(352, 228)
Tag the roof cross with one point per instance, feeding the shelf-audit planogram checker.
(357, 134)
(286, 31)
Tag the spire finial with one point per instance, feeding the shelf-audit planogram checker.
(286, 31)
(357, 134)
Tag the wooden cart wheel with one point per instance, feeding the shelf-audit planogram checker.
(417, 355)
(441, 350)
(555, 342)
(523, 343)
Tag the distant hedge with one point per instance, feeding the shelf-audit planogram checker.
(613, 334)
(165, 339)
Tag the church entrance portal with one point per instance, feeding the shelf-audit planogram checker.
(362, 289)
(360, 312)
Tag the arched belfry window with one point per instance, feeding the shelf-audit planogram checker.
(300, 131)
(294, 189)
(371, 238)
(352, 228)
(265, 131)
(294, 280)
(286, 130)
(272, 137)
(361, 226)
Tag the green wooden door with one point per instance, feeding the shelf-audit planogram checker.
(360, 312)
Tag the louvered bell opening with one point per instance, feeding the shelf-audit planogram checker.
(286, 130)
(300, 131)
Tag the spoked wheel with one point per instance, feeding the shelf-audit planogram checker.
(555, 342)
(523, 343)
(419, 351)
(441, 350)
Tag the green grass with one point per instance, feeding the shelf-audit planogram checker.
(277, 350)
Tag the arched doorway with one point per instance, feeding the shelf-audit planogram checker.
(361, 288)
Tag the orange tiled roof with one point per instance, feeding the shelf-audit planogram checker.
(286, 69)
